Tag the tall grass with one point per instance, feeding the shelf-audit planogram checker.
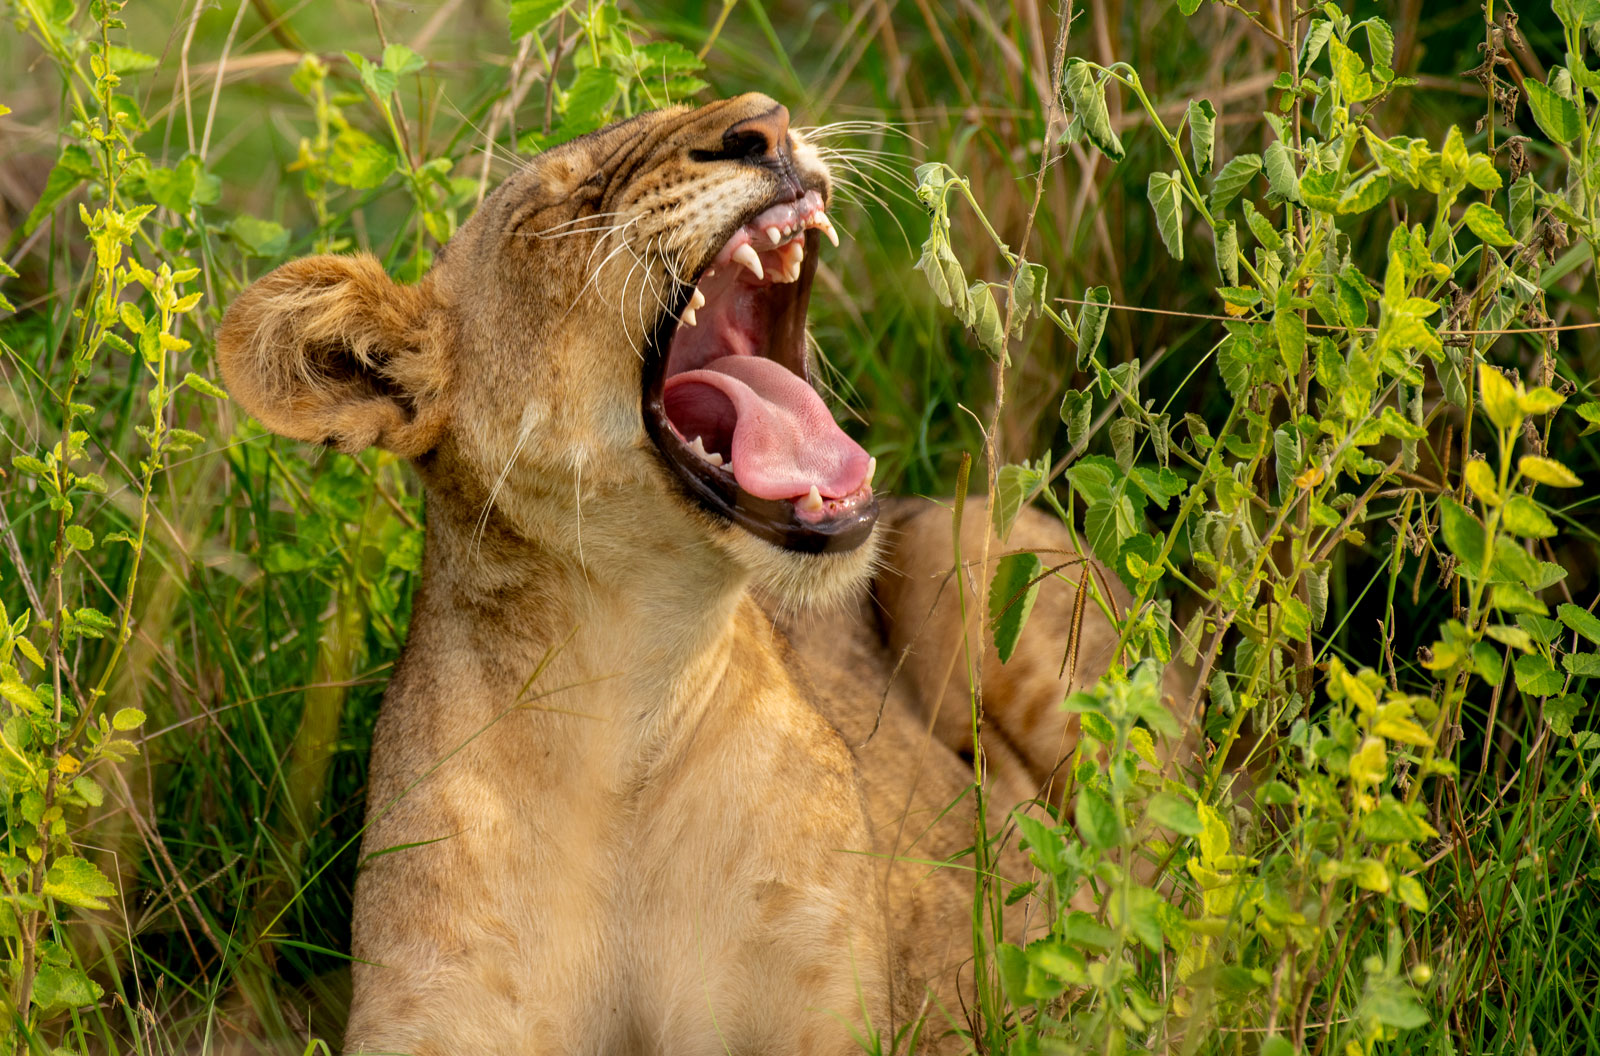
(273, 583)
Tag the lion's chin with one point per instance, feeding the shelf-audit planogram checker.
(798, 581)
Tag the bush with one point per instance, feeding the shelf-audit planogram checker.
(1311, 322)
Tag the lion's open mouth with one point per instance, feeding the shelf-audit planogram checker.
(728, 398)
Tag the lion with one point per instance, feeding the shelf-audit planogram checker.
(656, 771)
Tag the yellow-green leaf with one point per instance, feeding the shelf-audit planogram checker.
(1499, 398)
(1480, 478)
(1548, 471)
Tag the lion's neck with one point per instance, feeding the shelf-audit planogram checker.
(631, 653)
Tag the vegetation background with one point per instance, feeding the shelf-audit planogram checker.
(229, 604)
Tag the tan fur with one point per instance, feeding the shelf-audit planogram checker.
(636, 818)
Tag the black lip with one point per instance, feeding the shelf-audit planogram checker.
(772, 520)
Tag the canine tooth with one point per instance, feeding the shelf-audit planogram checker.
(872, 467)
(697, 300)
(812, 503)
(827, 229)
(774, 235)
(688, 317)
(750, 259)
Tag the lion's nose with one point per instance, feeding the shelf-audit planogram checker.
(761, 137)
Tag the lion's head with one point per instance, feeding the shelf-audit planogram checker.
(611, 354)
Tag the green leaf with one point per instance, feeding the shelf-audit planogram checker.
(1076, 407)
(1011, 597)
(985, 320)
(1232, 178)
(1349, 73)
(127, 719)
(1499, 398)
(1523, 196)
(588, 101)
(71, 168)
(1188, 7)
(126, 60)
(1380, 43)
(61, 986)
(257, 237)
(1012, 485)
(202, 385)
(1548, 471)
(529, 15)
(1364, 193)
(1488, 226)
(1580, 620)
(184, 186)
(1393, 1004)
(1087, 96)
(1092, 321)
(79, 538)
(1227, 237)
(401, 60)
(1282, 180)
(1047, 847)
(77, 882)
(1556, 116)
(1096, 819)
(1522, 516)
(1536, 676)
(1166, 196)
(1582, 665)
(1462, 533)
(359, 161)
(1202, 135)
(1175, 813)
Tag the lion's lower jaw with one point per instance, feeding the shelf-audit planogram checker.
(798, 581)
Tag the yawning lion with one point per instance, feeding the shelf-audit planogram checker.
(655, 772)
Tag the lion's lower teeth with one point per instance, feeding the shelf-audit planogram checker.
(812, 503)
(699, 448)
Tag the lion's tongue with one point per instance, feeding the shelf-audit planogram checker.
(783, 439)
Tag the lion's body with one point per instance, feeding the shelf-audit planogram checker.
(614, 807)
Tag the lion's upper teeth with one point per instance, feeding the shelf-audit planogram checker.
(688, 317)
(811, 503)
(774, 235)
(827, 229)
(697, 300)
(872, 467)
(749, 258)
(713, 457)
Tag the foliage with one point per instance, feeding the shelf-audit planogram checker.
(1345, 385)
(1344, 489)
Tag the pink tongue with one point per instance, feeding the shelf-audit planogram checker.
(784, 439)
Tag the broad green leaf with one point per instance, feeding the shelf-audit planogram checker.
(1227, 237)
(1580, 620)
(257, 237)
(1523, 195)
(127, 719)
(1582, 665)
(1380, 43)
(1174, 812)
(1488, 226)
(1087, 96)
(1536, 676)
(1481, 479)
(401, 60)
(1166, 197)
(202, 385)
(1499, 398)
(1482, 174)
(1393, 1004)
(1045, 844)
(1202, 135)
(71, 168)
(126, 60)
(1316, 39)
(1076, 407)
(1557, 117)
(1282, 180)
(1013, 484)
(985, 320)
(77, 882)
(1107, 525)
(1232, 178)
(1092, 321)
(1463, 534)
(1363, 193)
(1188, 7)
(1097, 820)
(61, 986)
(1548, 471)
(529, 15)
(1349, 73)
(1011, 597)
(1522, 516)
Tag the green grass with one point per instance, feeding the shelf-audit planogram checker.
(275, 582)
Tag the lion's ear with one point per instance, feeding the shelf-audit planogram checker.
(331, 350)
